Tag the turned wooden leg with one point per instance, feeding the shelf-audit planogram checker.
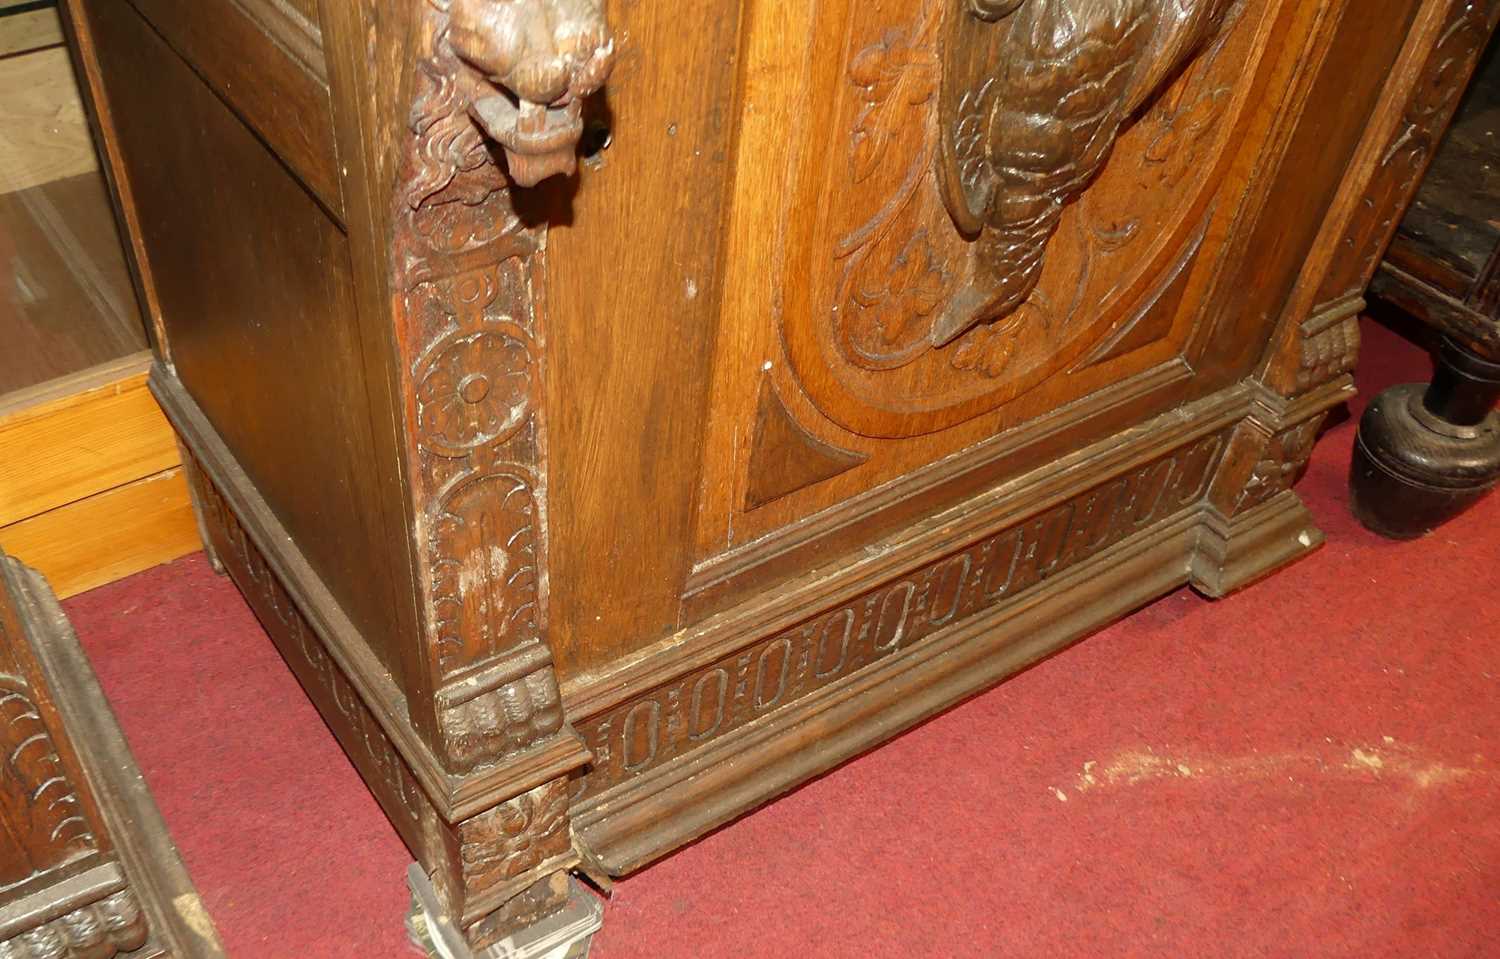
(1424, 455)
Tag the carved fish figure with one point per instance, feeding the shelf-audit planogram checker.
(1035, 94)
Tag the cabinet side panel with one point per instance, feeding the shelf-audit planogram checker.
(255, 293)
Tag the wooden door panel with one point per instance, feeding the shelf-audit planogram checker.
(853, 358)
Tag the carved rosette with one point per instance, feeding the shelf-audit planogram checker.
(516, 838)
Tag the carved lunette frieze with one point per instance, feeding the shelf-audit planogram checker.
(672, 720)
(39, 806)
(1034, 95)
(466, 272)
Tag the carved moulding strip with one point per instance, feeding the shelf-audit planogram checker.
(673, 803)
(906, 499)
(665, 724)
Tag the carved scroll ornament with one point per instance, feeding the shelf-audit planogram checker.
(539, 58)
(1034, 95)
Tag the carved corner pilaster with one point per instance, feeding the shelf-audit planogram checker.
(1253, 523)
(467, 274)
(469, 319)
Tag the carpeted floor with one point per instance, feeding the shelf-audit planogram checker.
(1309, 768)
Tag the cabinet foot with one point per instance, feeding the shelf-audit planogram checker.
(1235, 552)
(564, 932)
(1425, 454)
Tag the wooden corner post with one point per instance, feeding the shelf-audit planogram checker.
(470, 102)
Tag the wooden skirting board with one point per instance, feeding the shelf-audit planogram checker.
(91, 488)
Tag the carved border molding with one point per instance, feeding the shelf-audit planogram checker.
(664, 724)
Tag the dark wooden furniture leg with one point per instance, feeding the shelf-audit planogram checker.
(1425, 454)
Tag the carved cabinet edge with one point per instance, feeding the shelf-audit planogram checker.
(485, 838)
(121, 889)
(467, 272)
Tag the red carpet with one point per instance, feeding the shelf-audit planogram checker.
(1310, 768)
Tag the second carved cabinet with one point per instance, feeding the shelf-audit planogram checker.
(617, 417)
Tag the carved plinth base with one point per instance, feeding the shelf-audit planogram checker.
(564, 933)
(1233, 553)
(1424, 454)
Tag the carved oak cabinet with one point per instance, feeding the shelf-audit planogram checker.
(618, 416)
